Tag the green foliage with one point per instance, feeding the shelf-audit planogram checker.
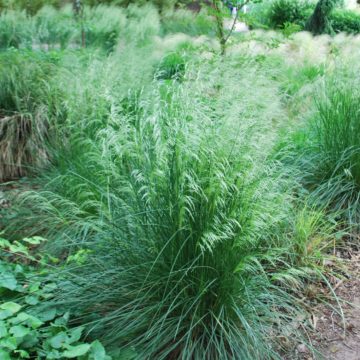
(30, 327)
(54, 28)
(319, 22)
(330, 151)
(294, 78)
(24, 115)
(293, 15)
(174, 231)
(172, 66)
(187, 22)
(162, 5)
(289, 11)
(103, 26)
(31, 7)
(313, 235)
(290, 29)
(176, 245)
(15, 30)
(345, 21)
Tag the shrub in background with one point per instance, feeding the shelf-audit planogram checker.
(345, 21)
(55, 27)
(187, 22)
(319, 22)
(103, 26)
(16, 30)
(296, 13)
(33, 6)
(289, 11)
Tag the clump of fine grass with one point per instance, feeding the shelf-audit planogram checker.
(172, 66)
(56, 27)
(16, 29)
(25, 111)
(313, 235)
(331, 157)
(187, 22)
(180, 242)
(184, 248)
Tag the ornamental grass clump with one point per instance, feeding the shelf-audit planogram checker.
(329, 151)
(179, 263)
(174, 212)
(24, 111)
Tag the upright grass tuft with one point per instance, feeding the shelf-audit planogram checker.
(329, 151)
(25, 109)
(168, 192)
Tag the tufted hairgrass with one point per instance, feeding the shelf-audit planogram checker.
(329, 150)
(182, 215)
(25, 110)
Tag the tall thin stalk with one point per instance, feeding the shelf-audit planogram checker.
(78, 8)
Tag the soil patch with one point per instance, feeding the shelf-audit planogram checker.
(338, 337)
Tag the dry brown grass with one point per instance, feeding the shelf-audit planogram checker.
(22, 144)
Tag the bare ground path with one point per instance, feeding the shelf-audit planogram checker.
(335, 342)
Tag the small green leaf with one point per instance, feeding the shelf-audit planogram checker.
(4, 243)
(19, 331)
(50, 287)
(35, 240)
(3, 329)
(31, 300)
(46, 313)
(29, 320)
(16, 247)
(63, 320)
(58, 340)
(53, 354)
(76, 351)
(4, 355)
(23, 354)
(34, 287)
(10, 306)
(9, 343)
(30, 340)
(126, 354)
(75, 334)
(4, 314)
(97, 351)
(8, 281)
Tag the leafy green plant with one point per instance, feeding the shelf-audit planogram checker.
(345, 21)
(288, 11)
(290, 29)
(294, 78)
(24, 113)
(103, 26)
(176, 231)
(319, 22)
(29, 325)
